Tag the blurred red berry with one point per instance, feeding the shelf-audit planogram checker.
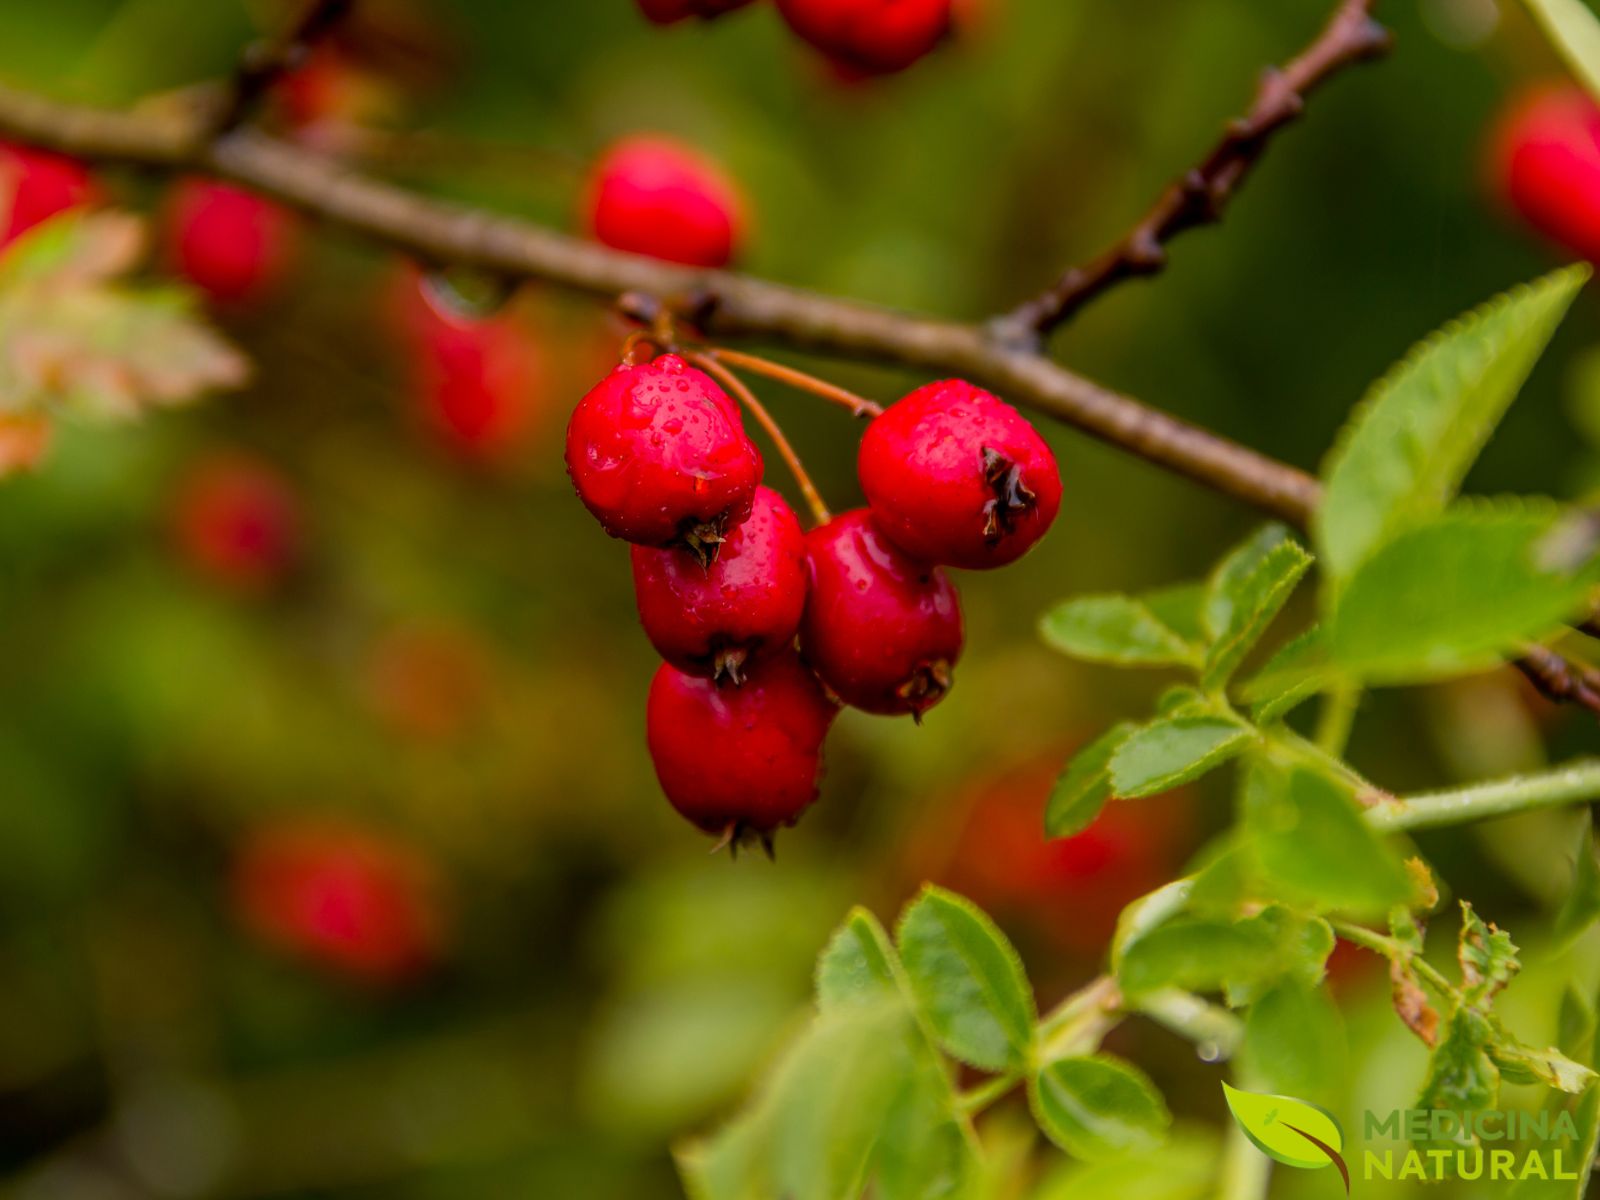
(882, 630)
(237, 522)
(1545, 161)
(481, 381)
(329, 87)
(350, 899)
(956, 476)
(873, 36)
(716, 620)
(653, 195)
(743, 760)
(231, 244)
(24, 441)
(658, 454)
(429, 681)
(664, 12)
(1070, 889)
(35, 185)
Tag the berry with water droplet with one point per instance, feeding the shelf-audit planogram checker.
(659, 455)
(881, 629)
(956, 476)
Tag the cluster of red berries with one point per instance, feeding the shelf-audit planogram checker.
(873, 37)
(726, 581)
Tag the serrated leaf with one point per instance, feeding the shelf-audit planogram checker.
(1098, 1107)
(1085, 785)
(1294, 1041)
(1173, 750)
(1282, 1128)
(923, 1151)
(1247, 591)
(857, 965)
(1462, 1078)
(1526, 1064)
(1148, 912)
(1455, 595)
(1582, 905)
(1298, 671)
(1575, 33)
(1179, 608)
(1313, 847)
(968, 981)
(1404, 453)
(74, 338)
(1488, 958)
(1114, 629)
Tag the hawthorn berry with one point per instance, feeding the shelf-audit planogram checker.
(665, 12)
(653, 195)
(716, 620)
(35, 185)
(739, 761)
(881, 629)
(659, 455)
(956, 476)
(350, 899)
(1545, 159)
(237, 522)
(877, 37)
(231, 244)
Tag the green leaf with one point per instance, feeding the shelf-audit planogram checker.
(1456, 594)
(1294, 1041)
(1161, 755)
(1526, 1064)
(857, 965)
(1246, 592)
(729, 1166)
(924, 1151)
(968, 980)
(1404, 453)
(1312, 845)
(1179, 608)
(1291, 676)
(1085, 785)
(1574, 32)
(1282, 1127)
(1098, 1107)
(1206, 954)
(1462, 1078)
(1114, 629)
(1582, 905)
(1488, 958)
(1181, 1168)
(1148, 912)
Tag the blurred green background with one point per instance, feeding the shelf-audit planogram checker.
(600, 986)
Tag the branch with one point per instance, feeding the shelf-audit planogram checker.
(1575, 783)
(1202, 194)
(1559, 679)
(266, 61)
(719, 303)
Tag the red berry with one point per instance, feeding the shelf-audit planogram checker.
(24, 441)
(882, 630)
(958, 477)
(35, 185)
(652, 195)
(1545, 155)
(664, 12)
(659, 455)
(237, 522)
(875, 36)
(348, 898)
(430, 681)
(716, 620)
(742, 760)
(231, 244)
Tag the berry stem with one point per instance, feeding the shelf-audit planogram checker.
(709, 364)
(859, 406)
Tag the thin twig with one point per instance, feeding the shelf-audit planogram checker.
(266, 61)
(814, 501)
(1201, 195)
(1559, 679)
(859, 406)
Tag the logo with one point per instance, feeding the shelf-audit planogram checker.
(1290, 1131)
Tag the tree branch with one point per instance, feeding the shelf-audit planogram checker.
(1201, 195)
(719, 303)
(266, 61)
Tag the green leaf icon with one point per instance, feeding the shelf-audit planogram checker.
(1290, 1131)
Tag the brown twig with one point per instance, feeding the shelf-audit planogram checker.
(786, 451)
(266, 61)
(1201, 195)
(1559, 679)
(859, 406)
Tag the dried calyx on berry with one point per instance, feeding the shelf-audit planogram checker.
(881, 629)
(720, 619)
(740, 762)
(956, 476)
(658, 453)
